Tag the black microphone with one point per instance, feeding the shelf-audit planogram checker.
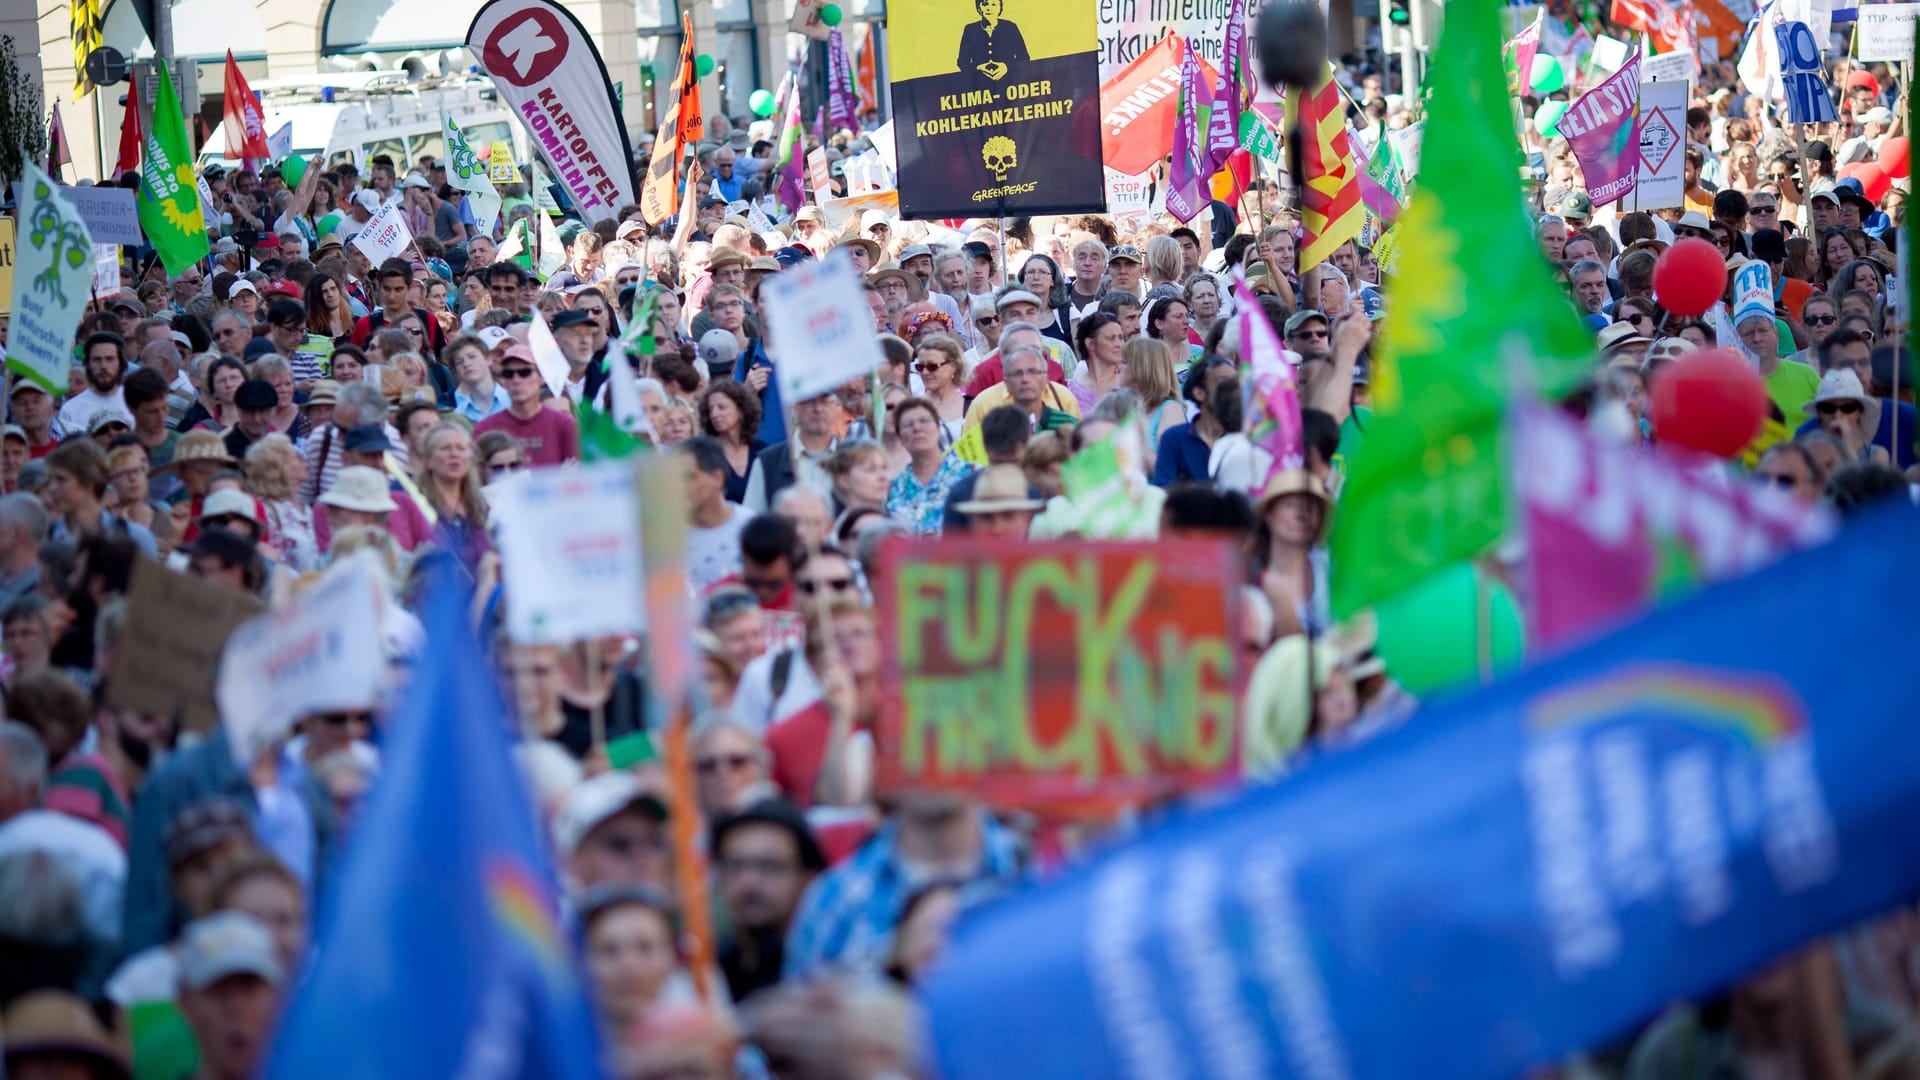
(1291, 37)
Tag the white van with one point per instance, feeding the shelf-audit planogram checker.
(354, 116)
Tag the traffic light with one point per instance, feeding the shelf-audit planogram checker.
(1400, 13)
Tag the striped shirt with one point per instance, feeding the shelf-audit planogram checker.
(325, 453)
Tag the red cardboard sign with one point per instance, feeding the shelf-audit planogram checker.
(1066, 678)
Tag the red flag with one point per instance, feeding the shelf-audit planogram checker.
(1656, 18)
(130, 134)
(245, 128)
(57, 152)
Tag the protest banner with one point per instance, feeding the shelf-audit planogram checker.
(1001, 111)
(1663, 124)
(320, 654)
(1612, 529)
(1603, 129)
(1803, 75)
(822, 327)
(500, 166)
(106, 269)
(385, 235)
(1128, 194)
(569, 554)
(52, 280)
(549, 73)
(468, 173)
(169, 650)
(1138, 106)
(818, 176)
(1066, 678)
(280, 143)
(1643, 821)
(1130, 29)
(6, 262)
(1885, 31)
(110, 212)
(1671, 67)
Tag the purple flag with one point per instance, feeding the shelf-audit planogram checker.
(1223, 123)
(1603, 128)
(1186, 178)
(792, 159)
(843, 103)
(1378, 200)
(1267, 378)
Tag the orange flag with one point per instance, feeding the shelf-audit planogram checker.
(682, 127)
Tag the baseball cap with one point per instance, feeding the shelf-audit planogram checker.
(204, 825)
(1879, 114)
(563, 319)
(1017, 296)
(415, 180)
(492, 336)
(25, 384)
(593, 802)
(14, 431)
(792, 255)
(914, 251)
(229, 502)
(1570, 203)
(131, 301)
(367, 199)
(718, 346)
(810, 213)
(521, 353)
(1824, 190)
(365, 439)
(109, 415)
(225, 944)
(1125, 253)
(977, 250)
(1300, 318)
(873, 219)
(240, 286)
(257, 348)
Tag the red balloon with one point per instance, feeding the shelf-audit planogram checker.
(1712, 401)
(1893, 156)
(1874, 180)
(1689, 277)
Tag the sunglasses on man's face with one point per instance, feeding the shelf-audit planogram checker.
(1763, 209)
(511, 373)
(1838, 408)
(810, 586)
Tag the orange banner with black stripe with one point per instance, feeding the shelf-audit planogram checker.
(1330, 208)
(682, 126)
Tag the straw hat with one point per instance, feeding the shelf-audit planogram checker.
(198, 448)
(1296, 482)
(51, 1022)
(1000, 488)
(361, 488)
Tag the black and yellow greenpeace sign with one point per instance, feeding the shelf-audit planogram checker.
(998, 107)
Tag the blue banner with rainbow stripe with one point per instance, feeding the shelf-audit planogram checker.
(1513, 876)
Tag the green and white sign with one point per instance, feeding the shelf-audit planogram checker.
(468, 173)
(52, 278)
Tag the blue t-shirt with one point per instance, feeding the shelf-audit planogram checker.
(1903, 455)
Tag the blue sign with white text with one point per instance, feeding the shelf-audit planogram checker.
(1513, 876)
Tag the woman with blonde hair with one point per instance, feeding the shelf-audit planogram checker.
(860, 476)
(127, 470)
(278, 373)
(1150, 374)
(1164, 263)
(275, 469)
(449, 480)
(942, 365)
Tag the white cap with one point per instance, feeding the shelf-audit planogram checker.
(229, 501)
(593, 801)
(361, 488)
(225, 944)
(718, 346)
(493, 336)
(240, 286)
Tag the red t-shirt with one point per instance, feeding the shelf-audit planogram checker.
(551, 437)
(798, 745)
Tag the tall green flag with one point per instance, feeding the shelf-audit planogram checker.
(1426, 487)
(169, 198)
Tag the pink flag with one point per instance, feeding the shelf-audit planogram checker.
(843, 103)
(790, 164)
(1267, 379)
(1223, 125)
(1187, 177)
(1612, 528)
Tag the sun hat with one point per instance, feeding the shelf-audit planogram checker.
(871, 248)
(58, 1024)
(1619, 336)
(1296, 482)
(1840, 384)
(198, 448)
(1000, 488)
(322, 392)
(915, 291)
(360, 488)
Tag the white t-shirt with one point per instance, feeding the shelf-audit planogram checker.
(714, 553)
(80, 408)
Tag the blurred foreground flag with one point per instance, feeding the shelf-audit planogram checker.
(1516, 875)
(442, 952)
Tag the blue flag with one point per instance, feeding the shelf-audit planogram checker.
(442, 953)
(1513, 876)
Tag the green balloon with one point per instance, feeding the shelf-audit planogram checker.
(1546, 118)
(1547, 75)
(1429, 635)
(327, 224)
(761, 102)
(292, 169)
(830, 14)
(703, 65)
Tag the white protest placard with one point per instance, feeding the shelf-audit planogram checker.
(106, 269)
(570, 552)
(1663, 142)
(819, 175)
(385, 235)
(52, 282)
(758, 221)
(1677, 66)
(1608, 54)
(547, 355)
(321, 654)
(1128, 194)
(280, 143)
(1885, 31)
(108, 211)
(821, 326)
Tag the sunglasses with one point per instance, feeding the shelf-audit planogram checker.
(1822, 320)
(1778, 480)
(838, 585)
(516, 373)
(1839, 408)
(506, 466)
(923, 368)
(342, 719)
(415, 331)
(988, 320)
(730, 762)
(1763, 209)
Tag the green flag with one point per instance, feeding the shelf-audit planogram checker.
(169, 198)
(623, 428)
(1384, 166)
(1426, 487)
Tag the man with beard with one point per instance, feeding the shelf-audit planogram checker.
(106, 366)
(764, 857)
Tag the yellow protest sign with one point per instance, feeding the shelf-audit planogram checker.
(973, 447)
(500, 167)
(6, 266)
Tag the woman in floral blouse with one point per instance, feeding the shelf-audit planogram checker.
(919, 494)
